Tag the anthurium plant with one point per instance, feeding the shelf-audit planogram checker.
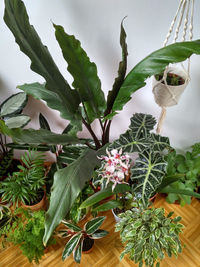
(80, 104)
(148, 234)
(79, 236)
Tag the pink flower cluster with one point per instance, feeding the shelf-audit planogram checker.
(115, 167)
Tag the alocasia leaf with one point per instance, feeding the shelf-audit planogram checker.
(151, 65)
(121, 72)
(17, 20)
(84, 72)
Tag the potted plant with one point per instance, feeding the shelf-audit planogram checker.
(185, 170)
(169, 85)
(148, 234)
(81, 240)
(81, 105)
(28, 233)
(27, 185)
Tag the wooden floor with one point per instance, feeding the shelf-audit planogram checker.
(107, 250)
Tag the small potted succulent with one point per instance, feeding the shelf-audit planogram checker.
(149, 234)
(27, 185)
(81, 240)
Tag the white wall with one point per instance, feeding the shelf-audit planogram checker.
(96, 24)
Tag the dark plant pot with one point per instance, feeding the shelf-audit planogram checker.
(87, 245)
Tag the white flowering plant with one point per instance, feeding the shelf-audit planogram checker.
(115, 168)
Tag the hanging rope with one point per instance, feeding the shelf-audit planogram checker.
(167, 95)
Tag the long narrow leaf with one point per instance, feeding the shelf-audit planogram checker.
(107, 192)
(78, 252)
(121, 72)
(71, 245)
(84, 73)
(68, 183)
(17, 20)
(31, 136)
(112, 204)
(151, 65)
(99, 234)
(94, 224)
(71, 226)
(179, 191)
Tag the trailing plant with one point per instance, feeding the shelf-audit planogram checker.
(28, 234)
(148, 234)
(26, 185)
(80, 105)
(186, 168)
(78, 235)
(171, 79)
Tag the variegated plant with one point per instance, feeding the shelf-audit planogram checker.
(78, 235)
(81, 104)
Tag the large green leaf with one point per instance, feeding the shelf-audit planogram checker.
(27, 147)
(179, 191)
(84, 73)
(138, 136)
(94, 224)
(71, 245)
(147, 174)
(68, 183)
(31, 136)
(112, 204)
(17, 20)
(13, 105)
(107, 192)
(121, 72)
(151, 65)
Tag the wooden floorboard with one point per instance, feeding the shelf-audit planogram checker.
(106, 251)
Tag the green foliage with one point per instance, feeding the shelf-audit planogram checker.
(28, 234)
(149, 234)
(83, 103)
(187, 169)
(7, 220)
(26, 184)
(6, 162)
(77, 236)
(76, 214)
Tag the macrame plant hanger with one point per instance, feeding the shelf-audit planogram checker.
(168, 95)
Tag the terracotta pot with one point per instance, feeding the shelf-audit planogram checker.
(40, 205)
(88, 245)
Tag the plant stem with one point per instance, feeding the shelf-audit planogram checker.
(107, 133)
(97, 143)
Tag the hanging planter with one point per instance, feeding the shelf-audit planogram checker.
(168, 88)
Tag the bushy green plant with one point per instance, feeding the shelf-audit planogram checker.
(186, 168)
(28, 234)
(149, 234)
(26, 184)
(78, 235)
(80, 105)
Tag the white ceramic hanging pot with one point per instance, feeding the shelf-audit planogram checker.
(169, 95)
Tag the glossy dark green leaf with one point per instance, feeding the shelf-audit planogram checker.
(71, 245)
(84, 73)
(13, 105)
(17, 20)
(180, 192)
(120, 188)
(151, 65)
(36, 137)
(147, 174)
(68, 183)
(112, 204)
(121, 72)
(27, 147)
(94, 224)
